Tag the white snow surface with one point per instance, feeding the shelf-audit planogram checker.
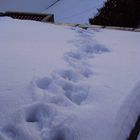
(67, 11)
(66, 83)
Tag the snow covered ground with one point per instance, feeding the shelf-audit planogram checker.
(69, 11)
(66, 83)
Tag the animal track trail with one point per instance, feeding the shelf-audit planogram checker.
(86, 48)
(62, 85)
(65, 88)
(67, 82)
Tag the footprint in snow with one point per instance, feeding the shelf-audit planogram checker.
(80, 65)
(77, 55)
(29, 122)
(90, 49)
(65, 132)
(44, 83)
(75, 92)
(19, 132)
(39, 121)
(67, 90)
(69, 75)
(68, 80)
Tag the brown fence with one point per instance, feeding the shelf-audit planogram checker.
(29, 16)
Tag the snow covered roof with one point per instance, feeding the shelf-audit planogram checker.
(67, 83)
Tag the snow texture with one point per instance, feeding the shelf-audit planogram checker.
(66, 83)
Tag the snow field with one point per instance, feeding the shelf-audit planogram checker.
(70, 83)
(65, 88)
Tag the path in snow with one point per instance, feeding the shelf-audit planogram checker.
(64, 88)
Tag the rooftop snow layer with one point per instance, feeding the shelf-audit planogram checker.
(67, 83)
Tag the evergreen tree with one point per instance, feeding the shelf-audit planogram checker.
(123, 13)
